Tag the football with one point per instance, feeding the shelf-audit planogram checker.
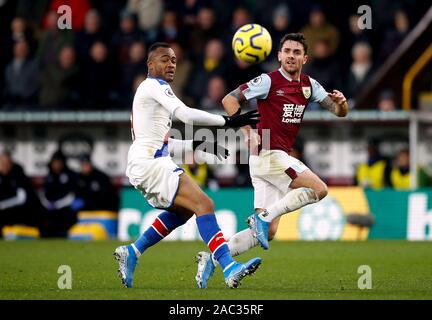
(252, 43)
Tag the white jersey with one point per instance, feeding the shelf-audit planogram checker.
(151, 118)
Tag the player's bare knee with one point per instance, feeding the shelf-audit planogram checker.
(204, 205)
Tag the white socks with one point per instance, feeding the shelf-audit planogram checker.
(241, 242)
(244, 240)
(294, 200)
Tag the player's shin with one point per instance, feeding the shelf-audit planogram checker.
(241, 242)
(294, 200)
(213, 237)
(160, 228)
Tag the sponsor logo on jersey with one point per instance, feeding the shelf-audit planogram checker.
(292, 113)
(307, 92)
(280, 92)
(169, 93)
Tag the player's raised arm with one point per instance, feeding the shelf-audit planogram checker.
(199, 117)
(336, 103)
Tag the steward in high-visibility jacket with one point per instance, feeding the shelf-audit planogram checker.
(400, 174)
(373, 174)
(400, 178)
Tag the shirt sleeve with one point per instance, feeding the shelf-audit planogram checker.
(258, 87)
(163, 94)
(318, 92)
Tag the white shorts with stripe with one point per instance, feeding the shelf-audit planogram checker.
(272, 172)
(157, 179)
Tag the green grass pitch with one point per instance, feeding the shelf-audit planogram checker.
(290, 270)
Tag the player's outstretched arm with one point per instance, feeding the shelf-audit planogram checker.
(199, 117)
(336, 103)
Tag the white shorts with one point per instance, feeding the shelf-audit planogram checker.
(272, 171)
(157, 179)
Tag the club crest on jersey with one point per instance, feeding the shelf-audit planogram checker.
(256, 81)
(169, 93)
(307, 92)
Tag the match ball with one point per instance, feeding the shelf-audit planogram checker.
(252, 43)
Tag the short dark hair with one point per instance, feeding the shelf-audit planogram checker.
(298, 37)
(158, 45)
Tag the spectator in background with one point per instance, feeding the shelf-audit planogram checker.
(393, 37)
(356, 34)
(96, 79)
(361, 69)
(216, 90)
(170, 30)
(386, 101)
(240, 17)
(204, 30)
(60, 82)
(320, 31)
(19, 31)
(58, 196)
(125, 36)
(149, 13)
(281, 25)
(137, 65)
(375, 173)
(21, 79)
(52, 41)
(183, 69)
(211, 64)
(400, 178)
(109, 10)
(95, 188)
(32, 11)
(91, 33)
(19, 204)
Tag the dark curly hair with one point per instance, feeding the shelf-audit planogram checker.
(298, 37)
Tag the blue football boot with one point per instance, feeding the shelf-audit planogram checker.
(259, 228)
(127, 260)
(237, 271)
(206, 269)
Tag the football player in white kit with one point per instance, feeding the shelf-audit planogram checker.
(151, 170)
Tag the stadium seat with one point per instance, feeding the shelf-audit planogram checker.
(20, 232)
(88, 231)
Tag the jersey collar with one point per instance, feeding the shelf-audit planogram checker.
(286, 76)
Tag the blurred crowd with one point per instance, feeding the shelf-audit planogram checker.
(53, 208)
(98, 64)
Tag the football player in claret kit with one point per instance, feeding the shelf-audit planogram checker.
(151, 170)
(281, 183)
